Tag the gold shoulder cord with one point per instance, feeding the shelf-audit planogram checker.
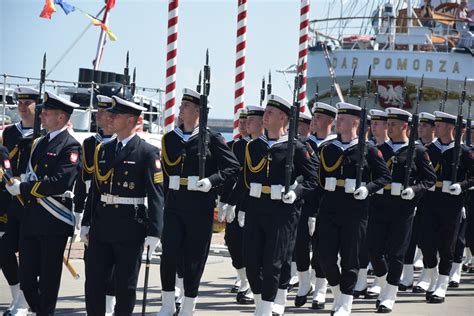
(390, 165)
(248, 163)
(166, 159)
(98, 176)
(13, 152)
(85, 168)
(327, 168)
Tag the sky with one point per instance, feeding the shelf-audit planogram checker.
(141, 28)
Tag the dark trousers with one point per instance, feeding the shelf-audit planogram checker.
(124, 258)
(186, 237)
(460, 242)
(233, 240)
(9, 244)
(388, 235)
(438, 234)
(110, 284)
(41, 262)
(268, 248)
(285, 275)
(415, 235)
(303, 244)
(316, 259)
(339, 233)
(470, 229)
(364, 248)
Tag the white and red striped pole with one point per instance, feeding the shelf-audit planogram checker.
(303, 51)
(171, 54)
(240, 63)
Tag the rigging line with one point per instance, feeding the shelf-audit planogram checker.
(73, 44)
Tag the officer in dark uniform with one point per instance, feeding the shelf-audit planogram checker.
(426, 136)
(17, 138)
(48, 219)
(190, 202)
(343, 207)
(84, 180)
(127, 174)
(392, 211)
(233, 232)
(322, 121)
(442, 214)
(271, 216)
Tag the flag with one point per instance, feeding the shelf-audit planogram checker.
(48, 9)
(110, 4)
(67, 8)
(102, 26)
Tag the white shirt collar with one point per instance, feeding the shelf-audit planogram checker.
(52, 135)
(126, 140)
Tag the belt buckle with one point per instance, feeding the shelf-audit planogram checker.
(110, 199)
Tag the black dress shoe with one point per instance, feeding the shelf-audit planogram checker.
(301, 300)
(403, 287)
(7, 313)
(317, 305)
(243, 299)
(234, 289)
(465, 267)
(418, 289)
(453, 284)
(435, 299)
(377, 304)
(371, 295)
(383, 309)
(428, 295)
(360, 293)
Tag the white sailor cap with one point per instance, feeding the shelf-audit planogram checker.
(398, 114)
(242, 113)
(347, 108)
(444, 117)
(253, 110)
(25, 93)
(425, 117)
(377, 115)
(121, 106)
(52, 101)
(103, 101)
(191, 96)
(324, 108)
(279, 102)
(304, 118)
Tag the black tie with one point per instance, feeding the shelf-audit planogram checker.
(119, 147)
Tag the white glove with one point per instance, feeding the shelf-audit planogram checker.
(204, 185)
(151, 242)
(289, 198)
(85, 235)
(241, 218)
(361, 193)
(14, 187)
(1, 234)
(221, 212)
(77, 220)
(88, 185)
(229, 211)
(455, 189)
(408, 194)
(463, 213)
(311, 225)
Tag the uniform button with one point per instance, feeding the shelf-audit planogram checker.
(46, 165)
(116, 205)
(118, 183)
(125, 173)
(103, 205)
(105, 182)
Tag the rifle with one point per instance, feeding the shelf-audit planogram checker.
(468, 124)
(145, 285)
(335, 86)
(404, 93)
(37, 121)
(457, 136)
(126, 79)
(203, 113)
(262, 91)
(198, 87)
(413, 136)
(269, 85)
(351, 83)
(292, 131)
(361, 134)
(445, 97)
(133, 86)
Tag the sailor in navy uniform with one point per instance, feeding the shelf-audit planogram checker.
(393, 208)
(227, 213)
(17, 138)
(343, 207)
(84, 180)
(426, 134)
(126, 204)
(270, 215)
(322, 122)
(443, 211)
(190, 202)
(48, 219)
